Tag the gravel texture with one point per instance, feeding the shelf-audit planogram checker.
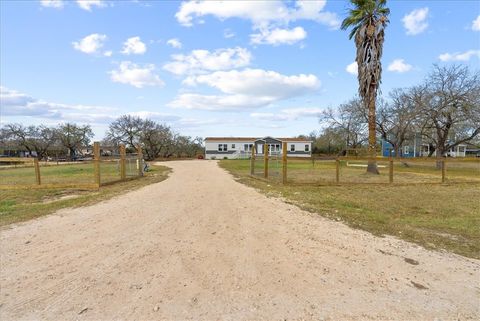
(201, 246)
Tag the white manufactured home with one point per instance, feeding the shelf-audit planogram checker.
(241, 147)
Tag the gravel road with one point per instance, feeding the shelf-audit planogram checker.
(201, 246)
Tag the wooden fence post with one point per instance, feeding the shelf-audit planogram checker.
(140, 160)
(284, 162)
(337, 170)
(96, 162)
(37, 171)
(390, 171)
(252, 161)
(444, 170)
(123, 171)
(265, 160)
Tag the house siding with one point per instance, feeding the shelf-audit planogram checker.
(212, 152)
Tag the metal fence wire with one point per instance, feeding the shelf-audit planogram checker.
(353, 170)
(109, 164)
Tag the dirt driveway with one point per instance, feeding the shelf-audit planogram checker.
(202, 246)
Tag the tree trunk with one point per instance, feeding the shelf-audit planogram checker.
(372, 138)
(72, 153)
(396, 148)
(439, 157)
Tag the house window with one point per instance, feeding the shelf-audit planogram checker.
(307, 148)
(233, 146)
(222, 147)
(292, 148)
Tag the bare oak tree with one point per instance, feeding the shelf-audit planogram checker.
(36, 139)
(396, 119)
(73, 137)
(125, 130)
(348, 121)
(449, 103)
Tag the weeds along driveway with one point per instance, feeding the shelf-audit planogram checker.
(200, 245)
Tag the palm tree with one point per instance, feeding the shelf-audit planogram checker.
(368, 19)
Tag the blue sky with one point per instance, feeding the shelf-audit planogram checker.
(227, 68)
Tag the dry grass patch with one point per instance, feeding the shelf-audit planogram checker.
(434, 216)
(22, 205)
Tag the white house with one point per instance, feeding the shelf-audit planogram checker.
(241, 147)
(457, 151)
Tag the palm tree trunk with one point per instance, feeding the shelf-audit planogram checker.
(372, 138)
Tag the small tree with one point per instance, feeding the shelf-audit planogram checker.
(126, 130)
(396, 119)
(73, 137)
(348, 122)
(329, 141)
(156, 139)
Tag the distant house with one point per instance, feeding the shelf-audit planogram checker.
(241, 147)
(417, 148)
(472, 150)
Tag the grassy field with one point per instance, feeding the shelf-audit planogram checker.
(21, 205)
(65, 173)
(434, 216)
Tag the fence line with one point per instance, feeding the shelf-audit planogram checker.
(96, 176)
(440, 164)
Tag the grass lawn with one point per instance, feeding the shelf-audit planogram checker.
(434, 216)
(22, 205)
(64, 173)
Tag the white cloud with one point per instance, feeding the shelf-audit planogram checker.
(217, 102)
(88, 4)
(134, 45)
(249, 88)
(259, 82)
(289, 114)
(132, 74)
(415, 22)
(15, 103)
(279, 36)
(57, 4)
(459, 56)
(108, 53)
(352, 68)
(303, 112)
(399, 65)
(91, 44)
(262, 14)
(476, 24)
(174, 43)
(201, 61)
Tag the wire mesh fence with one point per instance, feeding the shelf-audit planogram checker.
(116, 165)
(353, 170)
(16, 173)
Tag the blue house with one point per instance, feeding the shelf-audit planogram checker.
(410, 148)
(416, 148)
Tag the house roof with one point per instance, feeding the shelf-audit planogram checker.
(244, 139)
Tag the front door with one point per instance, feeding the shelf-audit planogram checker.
(259, 149)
